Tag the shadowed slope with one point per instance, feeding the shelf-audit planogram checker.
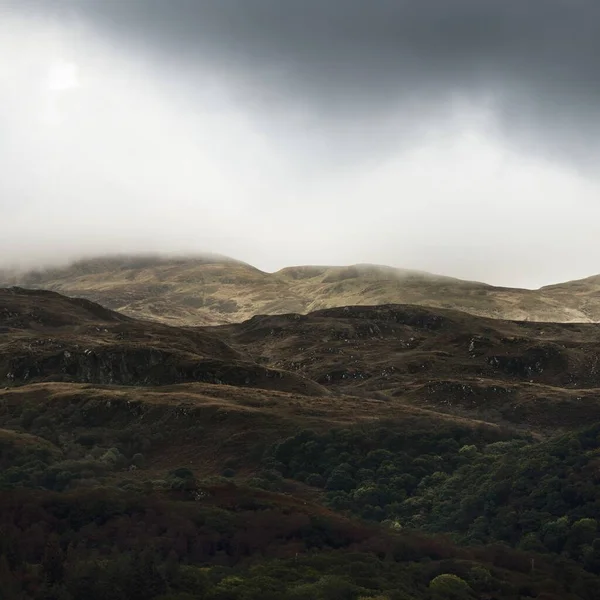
(542, 375)
(47, 336)
(537, 375)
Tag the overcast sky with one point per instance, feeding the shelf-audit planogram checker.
(460, 137)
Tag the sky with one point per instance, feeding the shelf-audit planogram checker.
(461, 138)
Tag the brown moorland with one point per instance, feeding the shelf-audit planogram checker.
(538, 376)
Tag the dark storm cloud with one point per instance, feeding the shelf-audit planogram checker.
(532, 62)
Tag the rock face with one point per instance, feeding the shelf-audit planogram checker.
(147, 367)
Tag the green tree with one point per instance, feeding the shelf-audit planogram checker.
(194, 580)
(138, 460)
(341, 479)
(481, 579)
(450, 587)
(582, 533)
(554, 534)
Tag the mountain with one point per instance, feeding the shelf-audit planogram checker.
(211, 290)
(389, 451)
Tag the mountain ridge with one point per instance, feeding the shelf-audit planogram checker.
(213, 290)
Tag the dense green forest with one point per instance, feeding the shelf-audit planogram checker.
(215, 540)
(393, 511)
(542, 497)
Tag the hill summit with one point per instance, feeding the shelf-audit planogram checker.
(213, 289)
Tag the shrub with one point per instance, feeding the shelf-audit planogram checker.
(450, 587)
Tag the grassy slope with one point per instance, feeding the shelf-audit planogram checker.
(212, 290)
(202, 426)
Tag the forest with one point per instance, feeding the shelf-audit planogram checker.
(390, 510)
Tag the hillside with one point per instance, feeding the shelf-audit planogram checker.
(538, 375)
(535, 375)
(389, 452)
(532, 374)
(47, 336)
(212, 290)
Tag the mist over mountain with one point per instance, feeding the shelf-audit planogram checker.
(212, 289)
(393, 393)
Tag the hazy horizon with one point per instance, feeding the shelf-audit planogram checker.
(453, 138)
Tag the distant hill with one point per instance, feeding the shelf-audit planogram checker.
(211, 290)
